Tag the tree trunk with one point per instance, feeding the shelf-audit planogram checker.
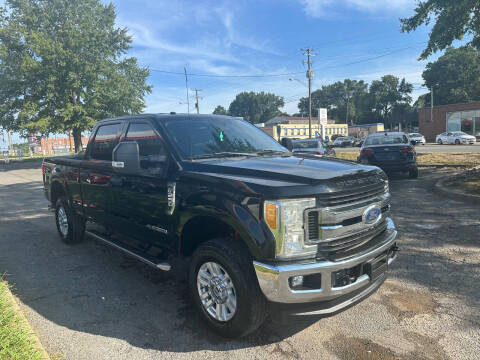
(77, 138)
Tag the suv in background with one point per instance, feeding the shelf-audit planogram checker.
(391, 151)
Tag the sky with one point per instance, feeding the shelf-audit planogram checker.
(226, 40)
(255, 45)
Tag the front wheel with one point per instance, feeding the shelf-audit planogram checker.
(439, 142)
(225, 288)
(457, 142)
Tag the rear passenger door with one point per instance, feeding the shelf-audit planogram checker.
(141, 198)
(96, 173)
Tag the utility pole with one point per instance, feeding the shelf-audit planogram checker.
(186, 87)
(10, 143)
(196, 99)
(309, 53)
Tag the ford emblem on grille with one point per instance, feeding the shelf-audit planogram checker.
(372, 215)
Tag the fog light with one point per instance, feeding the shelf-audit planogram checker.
(296, 281)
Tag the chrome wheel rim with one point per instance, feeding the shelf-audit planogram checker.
(217, 292)
(62, 221)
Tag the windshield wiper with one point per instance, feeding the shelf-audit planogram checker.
(273, 152)
(220, 155)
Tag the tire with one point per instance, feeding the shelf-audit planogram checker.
(234, 258)
(457, 142)
(413, 173)
(440, 142)
(70, 226)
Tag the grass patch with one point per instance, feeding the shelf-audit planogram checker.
(17, 341)
(460, 159)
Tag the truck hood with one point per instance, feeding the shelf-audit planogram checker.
(292, 171)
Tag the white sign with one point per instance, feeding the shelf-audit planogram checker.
(322, 116)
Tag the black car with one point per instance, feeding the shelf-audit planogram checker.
(391, 151)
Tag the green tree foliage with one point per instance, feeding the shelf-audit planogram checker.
(337, 98)
(220, 110)
(388, 93)
(455, 76)
(256, 107)
(63, 67)
(453, 20)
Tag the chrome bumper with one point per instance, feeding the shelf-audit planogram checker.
(273, 279)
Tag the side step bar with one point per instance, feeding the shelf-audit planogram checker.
(165, 266)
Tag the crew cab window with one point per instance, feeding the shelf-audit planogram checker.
(152, 150)
(104, 142)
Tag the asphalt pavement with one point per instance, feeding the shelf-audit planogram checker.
(90, 302)
(433, 148)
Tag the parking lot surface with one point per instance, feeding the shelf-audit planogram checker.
(90, 302)
(433, 148)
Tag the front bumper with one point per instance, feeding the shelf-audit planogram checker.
(274, 279)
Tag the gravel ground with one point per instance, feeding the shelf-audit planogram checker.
(90, 302)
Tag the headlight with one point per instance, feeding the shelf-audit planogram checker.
(285, 219)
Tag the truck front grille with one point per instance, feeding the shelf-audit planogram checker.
(337, 226)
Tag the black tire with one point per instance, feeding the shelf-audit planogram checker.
(457, 142)
(75, 224)
(234, 257)
(413, 173)
(440, 142)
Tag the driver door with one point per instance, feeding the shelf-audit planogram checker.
(141, 196)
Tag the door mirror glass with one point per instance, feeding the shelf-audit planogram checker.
(126, 157)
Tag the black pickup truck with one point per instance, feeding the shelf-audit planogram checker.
(264, 230)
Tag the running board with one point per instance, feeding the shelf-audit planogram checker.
(165, 266)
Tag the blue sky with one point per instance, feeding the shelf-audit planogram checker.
(264, 37)
(357, 39)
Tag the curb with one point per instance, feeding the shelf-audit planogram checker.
(442, 189)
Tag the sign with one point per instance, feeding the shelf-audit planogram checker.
(322, 116)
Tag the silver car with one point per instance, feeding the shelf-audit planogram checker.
(313, 147)
(455, 137)
(418, 138)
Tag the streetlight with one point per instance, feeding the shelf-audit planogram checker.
(300, 81)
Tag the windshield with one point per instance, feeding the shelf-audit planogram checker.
(415, 135)
(308, 144)
(207, 136)
(458, 133)
(386, 140)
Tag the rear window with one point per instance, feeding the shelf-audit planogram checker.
(386, 140)
(305, 144)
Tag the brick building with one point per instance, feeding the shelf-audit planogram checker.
(453, 117)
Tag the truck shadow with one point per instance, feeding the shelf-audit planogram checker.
(93, 289)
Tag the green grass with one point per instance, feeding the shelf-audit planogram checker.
(17, 341)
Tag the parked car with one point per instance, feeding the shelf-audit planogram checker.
(344, 141)
(391, 151)
(455, 137)
(312, 146)
(264, 230)
(418, 138)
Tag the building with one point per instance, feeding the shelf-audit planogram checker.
(453, 117)
(361, 131)
(56, 145)
(281, 127)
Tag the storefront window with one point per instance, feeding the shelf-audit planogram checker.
(453, 121)
(466, 121)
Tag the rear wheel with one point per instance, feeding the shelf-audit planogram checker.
(457, 142)
(225, 289)
(70, 226)
(440, 141)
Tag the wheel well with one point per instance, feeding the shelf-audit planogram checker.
(203, 228)
(56, 192)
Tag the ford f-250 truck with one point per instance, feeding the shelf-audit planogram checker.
(265, 230)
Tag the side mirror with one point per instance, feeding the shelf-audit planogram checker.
(126, 157)
(413, 142)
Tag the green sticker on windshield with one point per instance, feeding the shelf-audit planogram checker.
(221, 136)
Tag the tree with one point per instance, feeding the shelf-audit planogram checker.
(455, 76)
(220, 110)
(256, 107)
(387, 93)
(336, 98)
(63, 67)
(453, 20)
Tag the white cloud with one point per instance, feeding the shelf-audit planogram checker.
(323, 8)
